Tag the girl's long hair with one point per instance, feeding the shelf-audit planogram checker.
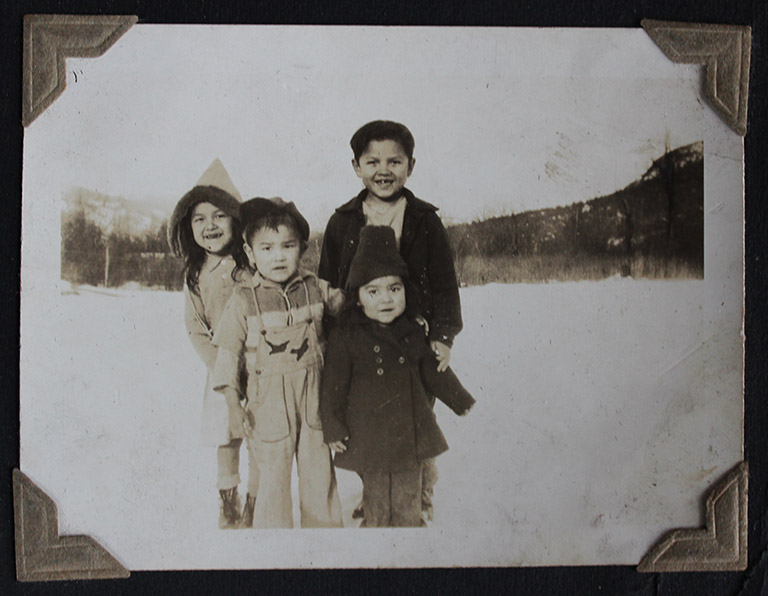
(194, 254)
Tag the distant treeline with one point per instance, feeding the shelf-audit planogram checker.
(90, 256)
(652, 228)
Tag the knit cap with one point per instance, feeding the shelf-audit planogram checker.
(259, 207)
(377, 256)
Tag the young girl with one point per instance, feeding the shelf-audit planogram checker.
(204, 230)
(379, 370)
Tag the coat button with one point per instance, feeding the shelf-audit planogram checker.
(380, 372)
(401, 360)
(378, 360)
(377, 349)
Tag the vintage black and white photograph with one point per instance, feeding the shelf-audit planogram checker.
(380, 297)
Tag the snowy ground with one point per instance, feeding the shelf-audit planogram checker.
(605, 411)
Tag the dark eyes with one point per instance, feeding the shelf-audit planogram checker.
(394, 162)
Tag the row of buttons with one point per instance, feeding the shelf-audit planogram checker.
(380, 371)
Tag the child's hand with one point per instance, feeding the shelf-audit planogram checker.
(239, 424)
(338, 446)
(442, 353)
(465, 412)
(423, 323)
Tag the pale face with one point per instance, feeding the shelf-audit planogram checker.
(384, 168)
(383, 299)
(275, 254)
(211, 228)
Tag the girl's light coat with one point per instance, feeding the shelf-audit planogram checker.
(203, 309)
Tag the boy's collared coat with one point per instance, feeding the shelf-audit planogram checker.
(424, 247)
(374, 392)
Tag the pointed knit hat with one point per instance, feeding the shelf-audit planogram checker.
(217, 175)
(377, 256)
(215, 187)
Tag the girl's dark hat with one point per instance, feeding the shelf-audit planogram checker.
(376, 256)
(199, 194)
(259, 207)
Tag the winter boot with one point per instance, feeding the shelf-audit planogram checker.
(359, 512)
(229, 508)
(246, 520)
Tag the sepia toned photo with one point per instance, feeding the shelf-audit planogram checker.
(380, 297)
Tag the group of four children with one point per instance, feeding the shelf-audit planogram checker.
(387, 290)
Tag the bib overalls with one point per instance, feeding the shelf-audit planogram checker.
(284, 366)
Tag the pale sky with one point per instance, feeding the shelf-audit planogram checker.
(504, 119)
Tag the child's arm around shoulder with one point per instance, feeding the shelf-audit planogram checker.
(333, 298)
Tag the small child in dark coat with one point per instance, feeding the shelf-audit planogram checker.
(379, 372)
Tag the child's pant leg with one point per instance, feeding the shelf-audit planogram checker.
(406, 499)
(429, 478)
(376, 501)
(392, 499)
(273, 446)
(228, 463)
(274, 506)
(253, 470)
(318, 494)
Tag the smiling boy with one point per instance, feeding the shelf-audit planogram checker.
(383, 160)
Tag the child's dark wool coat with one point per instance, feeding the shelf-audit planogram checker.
(374, 391)
(424, 247)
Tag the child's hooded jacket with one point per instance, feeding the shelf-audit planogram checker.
(374, 391)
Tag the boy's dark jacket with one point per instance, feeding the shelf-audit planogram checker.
(374, 391)
(424, 247)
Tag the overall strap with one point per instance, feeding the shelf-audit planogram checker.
(258, 309)
(309, 305)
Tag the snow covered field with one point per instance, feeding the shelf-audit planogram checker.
(605, 412)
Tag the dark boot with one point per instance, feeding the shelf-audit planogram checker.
(359, 512)
(229, 508)
(246, 520)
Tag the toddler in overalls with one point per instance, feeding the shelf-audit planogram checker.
(269, 366)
